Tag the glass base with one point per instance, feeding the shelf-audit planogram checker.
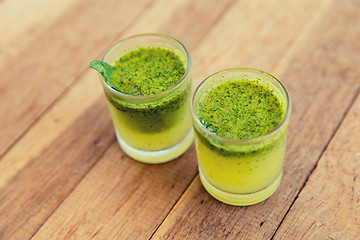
(154, 157)
(240, 199)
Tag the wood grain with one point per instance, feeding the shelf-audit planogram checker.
(37, 190)
(128, 199)
(64, 144)
(22, 163)
(23, 24)
(50, 126)
(252, 34)
(328, 207)
(130, 227)
(193, 20)
(63, 175)
(38, 75)
(310, 80)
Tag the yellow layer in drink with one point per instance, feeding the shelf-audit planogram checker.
(243, 172)
(137, 131)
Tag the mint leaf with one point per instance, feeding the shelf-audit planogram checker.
(104, 69)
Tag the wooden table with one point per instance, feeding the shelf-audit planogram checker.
(64, 176)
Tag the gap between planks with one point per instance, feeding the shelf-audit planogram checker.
(279, 68)
(175, 203)
(193, 179)
(352, 102)
(74, 186)
(70, 86)
(81, 177)
(38, 107)
(73, 83)
(177, 200)
(66, 90)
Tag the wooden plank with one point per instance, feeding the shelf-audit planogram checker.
(50, 126)
(328, 207)
(180, 13)
(33, 79)
(108, 222)
(33, 193)
(255, 34)
(66, 110)
(120, 199)
(27, 201)
(23, 24)
(37, 174)
(319, 71)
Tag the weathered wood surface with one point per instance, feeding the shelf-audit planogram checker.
(328, 206)
(63, 175)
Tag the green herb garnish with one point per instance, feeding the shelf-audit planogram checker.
(104, 69)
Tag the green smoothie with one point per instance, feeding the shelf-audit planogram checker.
(235, 113)
(147, 82)
(240, 109)
(150, 125)
(147, 71)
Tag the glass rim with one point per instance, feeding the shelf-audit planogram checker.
(241, 141)
(146, 97)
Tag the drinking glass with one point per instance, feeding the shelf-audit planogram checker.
(240, 172)
(154, 128)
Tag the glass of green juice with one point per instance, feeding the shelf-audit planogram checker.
(149, 95)
(240, 118)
